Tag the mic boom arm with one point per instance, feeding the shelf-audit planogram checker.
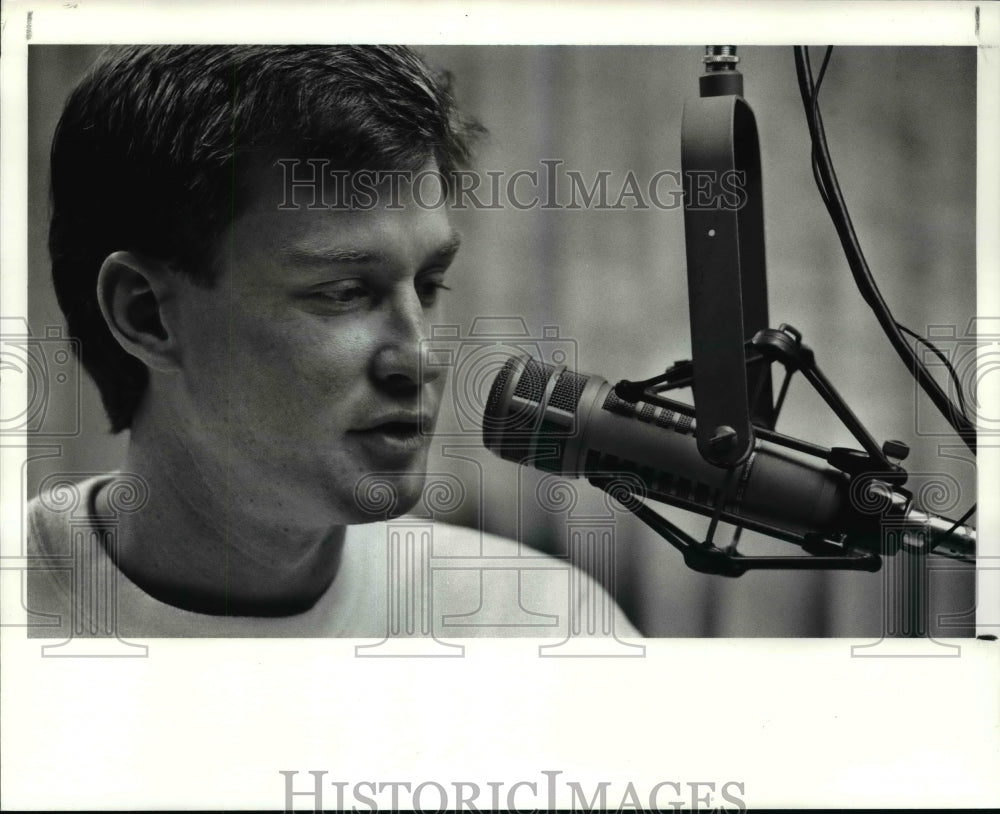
(726, 274)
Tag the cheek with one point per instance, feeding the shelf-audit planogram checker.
(285, 375)
(299, 374)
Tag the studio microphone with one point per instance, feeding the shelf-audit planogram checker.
(573, 424)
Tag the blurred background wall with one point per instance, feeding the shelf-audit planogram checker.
(901, 127)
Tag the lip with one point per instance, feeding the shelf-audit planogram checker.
(395, 436)
(422, 422)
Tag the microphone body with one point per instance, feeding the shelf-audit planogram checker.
(575, 425)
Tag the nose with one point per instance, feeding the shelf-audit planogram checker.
(397, 363)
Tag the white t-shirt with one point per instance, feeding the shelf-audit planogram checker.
(406, 577)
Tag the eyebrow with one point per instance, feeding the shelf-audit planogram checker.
(345, 255)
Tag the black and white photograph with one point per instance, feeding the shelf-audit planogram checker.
(627, 371)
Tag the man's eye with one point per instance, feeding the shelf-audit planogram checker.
(428, 290)
(345, 294)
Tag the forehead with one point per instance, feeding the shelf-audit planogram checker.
(307, 210)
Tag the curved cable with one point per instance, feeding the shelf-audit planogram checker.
(837, 208)
(947, 363)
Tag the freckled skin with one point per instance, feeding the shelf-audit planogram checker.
(251, 445)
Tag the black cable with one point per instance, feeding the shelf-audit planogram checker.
(813, 104)
(838, 212)
(822, 73)
(936, 541)
(819, 179)
(947, 363)
(837, 208)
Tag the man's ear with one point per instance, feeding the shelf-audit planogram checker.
(132, 292)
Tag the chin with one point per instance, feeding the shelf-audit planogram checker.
(385, 495)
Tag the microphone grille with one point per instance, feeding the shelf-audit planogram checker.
(495, 399)
(530, 412)
(532, 383)
(614, 404)
(566, 393)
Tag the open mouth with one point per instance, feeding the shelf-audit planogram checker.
(397, 429)
(395, 438)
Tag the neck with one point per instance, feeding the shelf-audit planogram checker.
(207, 542)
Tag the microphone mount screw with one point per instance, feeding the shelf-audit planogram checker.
(720, 58)
(723, 439)
(895, 451)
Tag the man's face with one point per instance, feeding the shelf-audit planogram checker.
(301, 368)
